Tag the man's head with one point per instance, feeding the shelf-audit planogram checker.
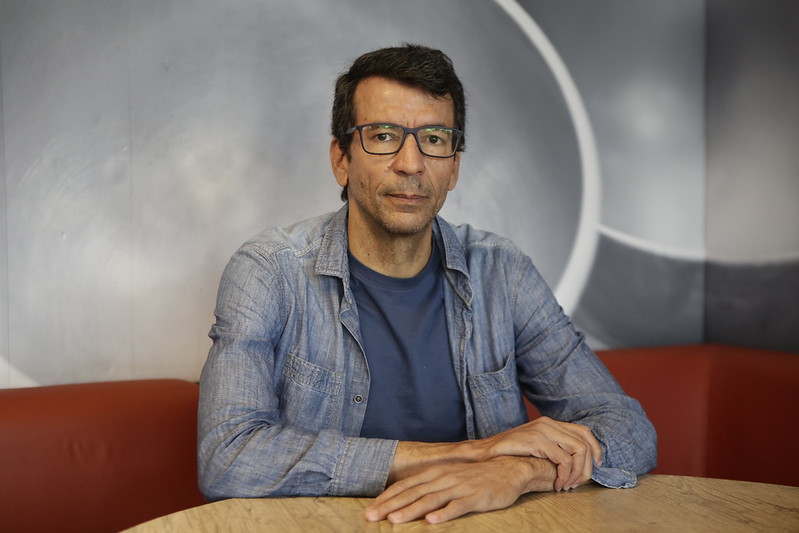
(416, 66)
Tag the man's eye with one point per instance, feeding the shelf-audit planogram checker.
(383, 134)
(435, 137)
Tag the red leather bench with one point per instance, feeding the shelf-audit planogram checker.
(97, 456)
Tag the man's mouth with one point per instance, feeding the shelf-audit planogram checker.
(405, 196)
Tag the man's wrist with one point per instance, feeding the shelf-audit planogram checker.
(540, 474)
(409, 457)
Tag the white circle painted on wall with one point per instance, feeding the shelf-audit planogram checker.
(572, 282)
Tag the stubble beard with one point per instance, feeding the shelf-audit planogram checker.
(391, 224)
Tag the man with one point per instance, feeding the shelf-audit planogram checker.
(380, 350)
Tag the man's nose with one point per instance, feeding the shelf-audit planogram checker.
(409, 160)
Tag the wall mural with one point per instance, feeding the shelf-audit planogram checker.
(752, 274)
(143, 141)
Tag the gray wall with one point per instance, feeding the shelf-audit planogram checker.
(143, 141)
(5, 370)
(640, 68)
(753, 173)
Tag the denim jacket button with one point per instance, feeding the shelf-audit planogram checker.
(358, 398)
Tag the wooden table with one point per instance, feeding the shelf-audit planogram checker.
(659, 503)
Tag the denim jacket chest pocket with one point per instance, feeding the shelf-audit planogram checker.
(497, 400)
(308, 393)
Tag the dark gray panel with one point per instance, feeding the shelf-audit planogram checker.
(634, 298)
(755, 305)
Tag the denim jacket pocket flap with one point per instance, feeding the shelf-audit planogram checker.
(310, 375)
(489, 382)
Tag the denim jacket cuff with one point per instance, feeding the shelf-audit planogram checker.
(614, 478)
(364, 467)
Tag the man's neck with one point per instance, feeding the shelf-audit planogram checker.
(398, 256)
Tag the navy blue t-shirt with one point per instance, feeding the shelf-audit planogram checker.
(414, 394)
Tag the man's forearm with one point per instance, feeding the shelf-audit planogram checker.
(411, 457)
(285, 461)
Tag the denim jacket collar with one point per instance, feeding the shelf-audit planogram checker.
(333, 260)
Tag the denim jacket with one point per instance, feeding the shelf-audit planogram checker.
(285, 387)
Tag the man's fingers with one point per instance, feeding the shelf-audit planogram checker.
(544, 437)
(588, 436)
(569, 473)
(564, 475)
(567, 452)
(563, 459)
(571, 447)
(452, 510)
(421, 507)
(588, 470)
(404, 493)
(429, 492)
(582, 468)
(576, 431)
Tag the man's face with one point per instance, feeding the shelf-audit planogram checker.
(397, 194)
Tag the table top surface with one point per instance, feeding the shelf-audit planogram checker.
(659, 503)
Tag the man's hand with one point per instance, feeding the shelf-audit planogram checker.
(442, 481)
(572, 447)
(443, 492)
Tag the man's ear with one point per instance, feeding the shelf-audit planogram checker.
(340, 163)
(453, 178)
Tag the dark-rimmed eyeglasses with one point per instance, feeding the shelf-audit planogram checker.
(386, 139)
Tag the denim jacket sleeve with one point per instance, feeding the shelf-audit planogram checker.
(566, 381)
(245, 446)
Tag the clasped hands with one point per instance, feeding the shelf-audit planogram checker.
(444, 481)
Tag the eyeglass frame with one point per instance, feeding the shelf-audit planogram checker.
(405, 133)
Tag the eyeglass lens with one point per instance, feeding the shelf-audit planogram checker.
(381, 139)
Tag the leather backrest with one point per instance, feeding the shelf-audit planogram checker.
(672, 385)
(97, 456)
